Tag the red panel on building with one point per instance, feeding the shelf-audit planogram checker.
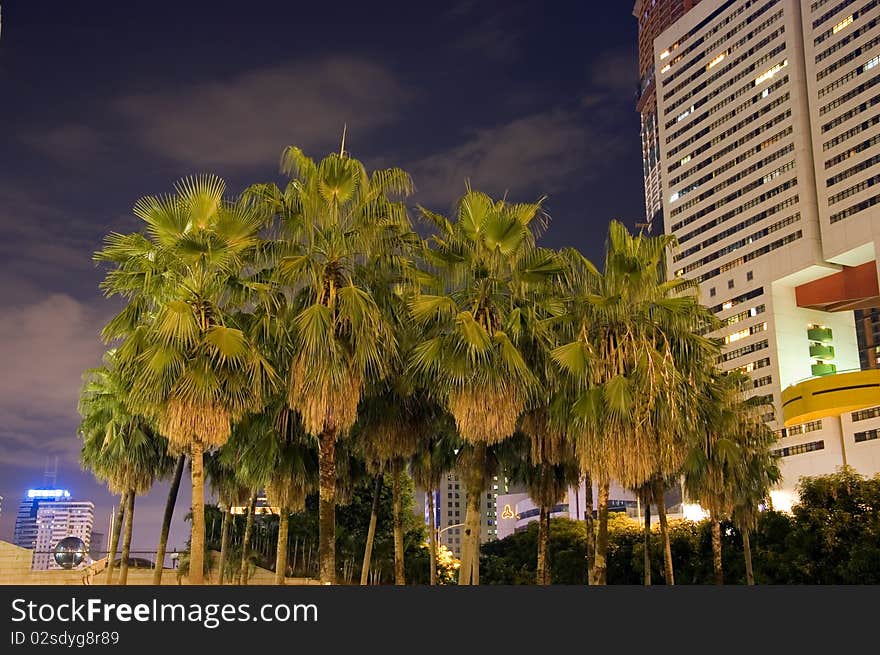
(855, 287)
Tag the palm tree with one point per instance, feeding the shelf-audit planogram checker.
(484, 265)
(185, 345)
(731, 467)
(334, 218)
(636, 353)
(166, 518)
(231, 492)
(429, 466)
(120, 447)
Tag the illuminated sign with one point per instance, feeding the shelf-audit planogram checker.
(48, 493)
(507, 513)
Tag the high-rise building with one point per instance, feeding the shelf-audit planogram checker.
(653, 17)
(450, 507)
(769, 125)
(25, 534)
(868, 334)
(57, 520)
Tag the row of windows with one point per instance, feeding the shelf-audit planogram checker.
(745, 332)
(762, 381)
(799, 449)
(723, 103)
(742, 316)
(796, 430)
(845, 41)
(849, 95)
(865, 47)
(740, 158)
(865, 414)
(856, 188)
(854, 73)
(763, 250)
(846, 21)
(864, 145)
(730, 130)
(867, 435)
(743, 190)
(854, 209)
(830, 14)
(757, 64)
(736, 245)
(852, 170)
(733, 145)
(730, 66)
(744, 350)
(850, 113)
(726, 39)
(745, 207)
(757, 218)
(817, 4)
(733, 302)
(769, 159)
(752, 366)
(721, 24)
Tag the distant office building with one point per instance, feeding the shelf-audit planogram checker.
(868, 335)
(450, 506)
(98, 545)
(25, 534)
(653, 17)
(57, 520)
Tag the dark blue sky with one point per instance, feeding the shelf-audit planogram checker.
(103, 102)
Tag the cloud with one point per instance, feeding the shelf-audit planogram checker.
(68, 143)
(616, 71)
(540, 153)
(246, 120)
(45, 345)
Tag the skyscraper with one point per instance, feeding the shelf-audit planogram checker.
(769, 125)
(25, 534)
(57, 520)
(653, 17)
(450, 507)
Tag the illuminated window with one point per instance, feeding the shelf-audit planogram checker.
(674, 197)
(664, 54)
(846, 21)
(766, 75)
(686, 159)
(717, 60)
(871, 63)
(665, 68)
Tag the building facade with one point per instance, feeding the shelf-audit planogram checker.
(769, 123)
(57, 520)
(450, 506)
(653, 17)
(25, 533)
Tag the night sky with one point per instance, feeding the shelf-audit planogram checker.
(104, 102)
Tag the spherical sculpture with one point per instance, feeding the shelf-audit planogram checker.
(70, 552)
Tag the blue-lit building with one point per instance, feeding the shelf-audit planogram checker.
(26, 527)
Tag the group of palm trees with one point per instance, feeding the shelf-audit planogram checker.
(298, 338)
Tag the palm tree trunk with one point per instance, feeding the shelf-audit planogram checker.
(246, 540)
(543, 526)
(371, 532)
(166, 520)
(469, 571)
(432, 537)
(600, 566)
(327, 506)
(668, 573)
(281, 550)
(224, 545)
(197, 535)
(646, 498)
(747, 553)
(590, 526)
(399, 571)
(126, 539)
(114, 538)
(716, 551)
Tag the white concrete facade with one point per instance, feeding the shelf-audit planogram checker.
(744, 190)
(57, 520)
